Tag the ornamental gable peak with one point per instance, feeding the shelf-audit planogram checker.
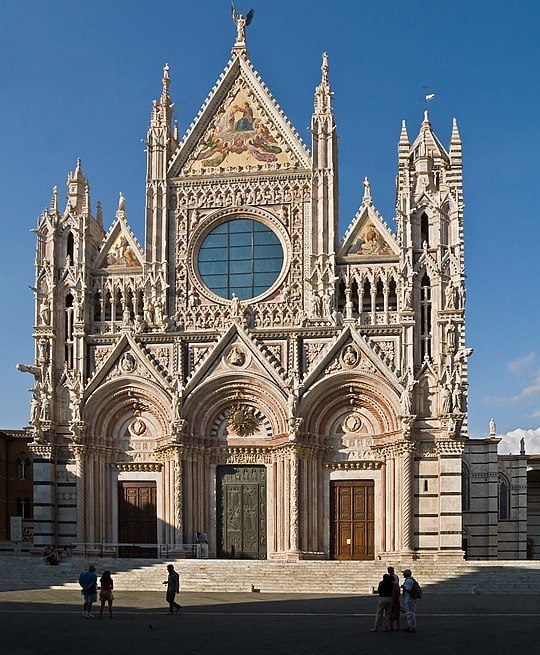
(237, 353)
(368, 238)
(354, 353)
(120, 250)
(240, 128)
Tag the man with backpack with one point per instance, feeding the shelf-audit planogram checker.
(411, 593)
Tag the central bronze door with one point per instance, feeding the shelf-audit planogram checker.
(241, 512)
(137, 518)
(352, 519)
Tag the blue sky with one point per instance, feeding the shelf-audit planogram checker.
(79, 79)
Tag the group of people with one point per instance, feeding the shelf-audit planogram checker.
(88, 581)
(392, 603)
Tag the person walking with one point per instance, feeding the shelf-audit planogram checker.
(106, 593)
(384, 606)
(173, 588)
(411, 591)
(88, 582)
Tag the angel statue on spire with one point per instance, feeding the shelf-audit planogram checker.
(241, 23)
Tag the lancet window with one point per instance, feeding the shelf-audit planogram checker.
(504, 498)
(68, 330)
(425, 317)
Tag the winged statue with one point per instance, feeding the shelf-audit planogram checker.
(241, 22)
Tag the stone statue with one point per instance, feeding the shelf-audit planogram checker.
(406, 395)
(492, 428)
(44, 311)
(241, 23)
(35, 405)
(450, 296)
(446, 399)
(407, 298)
(522, 446)
(158, 312)
(316, 304)
(327, 304)
(235, 306)
(457, 398)
(148, 311)
(451, 337)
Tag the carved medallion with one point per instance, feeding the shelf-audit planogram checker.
(352, 422)
(137, 427)
(236, 357)
(350, 356)
(242, 420)
(128, 363)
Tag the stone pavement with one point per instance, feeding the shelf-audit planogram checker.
(50, 621)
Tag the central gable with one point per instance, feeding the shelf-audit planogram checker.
(239, 129)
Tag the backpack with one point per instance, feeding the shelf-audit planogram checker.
(416, 591)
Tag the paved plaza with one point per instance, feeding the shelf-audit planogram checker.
(50, 621)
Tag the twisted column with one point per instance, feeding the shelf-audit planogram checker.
(407, 461)
(294, 500)
(178, 498)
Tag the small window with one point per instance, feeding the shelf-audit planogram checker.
(366, 298)
(392, 296)
(504, 498)
(70, 247)
(465, 489)
(424, 229)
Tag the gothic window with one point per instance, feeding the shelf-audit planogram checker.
(70, 247)
(107, 308)
(341, 296)
(504, 498)
(117, 306)
(68, 330)
(465, 488)
(366, 299)
(392, 296)
(425, 317)
(424, 229)
(379, 297)
(354, 296)
(97, 306)
(240, 256)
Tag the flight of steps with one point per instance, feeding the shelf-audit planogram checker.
(200, 575)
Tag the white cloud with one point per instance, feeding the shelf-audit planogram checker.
(530, 390)
(517, 365)
(511, 441)
(534, 414)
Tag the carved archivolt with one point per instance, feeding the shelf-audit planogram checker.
(210, 404)
(333, 399)
(126, 407)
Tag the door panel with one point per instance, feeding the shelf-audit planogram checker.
(352, 519)
(241, 512)
(137, 518)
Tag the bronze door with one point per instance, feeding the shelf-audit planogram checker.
(352, 519)
(241, 512)
(137, 518)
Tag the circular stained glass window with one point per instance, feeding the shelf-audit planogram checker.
(240, 256)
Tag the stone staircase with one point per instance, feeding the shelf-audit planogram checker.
(328, 577)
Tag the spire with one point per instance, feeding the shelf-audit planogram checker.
(77, 190)
(455, 144)
(403, 137)
(165, 82)
(323, 93)
(240, 46)
(99, 213)
(54, 200)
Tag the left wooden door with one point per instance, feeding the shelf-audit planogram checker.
(137, 518)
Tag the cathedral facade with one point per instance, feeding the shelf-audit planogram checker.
(248, 375)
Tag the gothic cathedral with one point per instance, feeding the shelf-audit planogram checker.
(247, 374)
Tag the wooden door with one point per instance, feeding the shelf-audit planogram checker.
(241, 512)
(137, 518)
(352, 520)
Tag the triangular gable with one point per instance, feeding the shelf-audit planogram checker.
(240, 127)
(120, 250)
(234, 352)
(352, 352)
(126, 359)
(368, 237)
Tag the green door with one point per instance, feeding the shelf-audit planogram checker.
(241, 512)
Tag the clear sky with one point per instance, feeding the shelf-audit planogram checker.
(78, 80)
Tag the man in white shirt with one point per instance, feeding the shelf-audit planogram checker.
(409, 603)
